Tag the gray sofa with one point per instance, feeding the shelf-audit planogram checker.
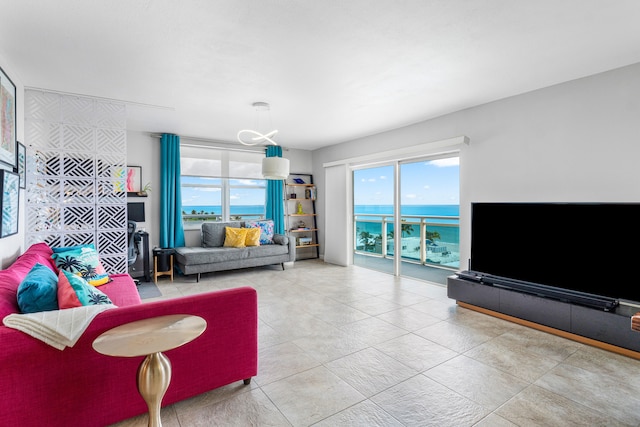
(213, 256)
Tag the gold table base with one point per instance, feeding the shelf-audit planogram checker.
(151, 337)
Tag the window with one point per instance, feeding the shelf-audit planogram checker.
(220, 184)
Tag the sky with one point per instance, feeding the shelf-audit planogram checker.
(433, 182)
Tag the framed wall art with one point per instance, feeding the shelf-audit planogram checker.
(21, 164)
(10, 192)
(7, 120)
(134, 179)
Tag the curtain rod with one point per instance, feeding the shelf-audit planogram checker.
(215, 143)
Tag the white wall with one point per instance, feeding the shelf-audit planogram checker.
(12, 246)
(578, 141)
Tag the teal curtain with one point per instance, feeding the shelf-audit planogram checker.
(275, 199)
(171, 230)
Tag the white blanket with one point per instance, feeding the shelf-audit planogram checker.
(58, 328)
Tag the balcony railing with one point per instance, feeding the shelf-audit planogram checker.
(191, 221)
(428, 240)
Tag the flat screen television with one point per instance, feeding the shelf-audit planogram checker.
(582, 248)
(135, 211)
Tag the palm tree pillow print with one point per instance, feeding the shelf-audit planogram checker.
(83, 261)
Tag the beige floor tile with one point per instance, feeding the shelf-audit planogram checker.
(247, 409)
(416, 352)
(364, 414)
(420, 401)
(370, 371)
(535, 406)
(474, 380)
(516, 361)
(312, 396)
(281, 361)
(607, 395)
(453, 336)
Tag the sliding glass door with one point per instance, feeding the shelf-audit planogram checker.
(425, 232)
(373, 213)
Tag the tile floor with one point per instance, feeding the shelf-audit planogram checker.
(347, 346)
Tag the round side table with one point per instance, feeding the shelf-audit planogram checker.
(150, 337)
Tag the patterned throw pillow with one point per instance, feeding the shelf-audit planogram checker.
(253, 237)
(235, 237)
(38, 290)
(82, 260)
(74, 291)
(266, 227)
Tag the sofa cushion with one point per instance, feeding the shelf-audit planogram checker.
(74, 289)
(213, 233)
(82, 260)
(235, 237)
(196, 255)
(38, 291)
(122, 290)
(266, 250)
(266, 227)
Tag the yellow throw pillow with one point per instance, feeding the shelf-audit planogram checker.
(235, 237)
(253, 237)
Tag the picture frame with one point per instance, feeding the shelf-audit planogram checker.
(21, 164)
(9, 202)
(134, 179)
(8, 121)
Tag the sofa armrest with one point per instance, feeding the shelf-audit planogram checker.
(283, 239)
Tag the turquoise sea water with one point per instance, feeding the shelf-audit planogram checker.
(447, 228)
(407, 210)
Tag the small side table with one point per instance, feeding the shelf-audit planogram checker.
(162, 263)
(150, 337)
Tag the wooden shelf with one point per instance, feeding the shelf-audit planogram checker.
(303, 196)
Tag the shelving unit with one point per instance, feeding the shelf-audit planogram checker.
(300, 214)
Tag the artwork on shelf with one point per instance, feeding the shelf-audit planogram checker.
(7, 121)
(119, 176)
(134, 179)
(10, 190)
(298, 180)
(21, 164)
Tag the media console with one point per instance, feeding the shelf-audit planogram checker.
(612, 327)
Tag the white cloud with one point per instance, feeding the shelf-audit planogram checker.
(445, 163)
(410, 196)
(426, 187)
(372, 180)
(383, 177)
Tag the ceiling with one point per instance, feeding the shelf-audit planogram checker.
(332, 70)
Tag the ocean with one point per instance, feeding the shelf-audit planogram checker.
(448, 229)
(407, 210)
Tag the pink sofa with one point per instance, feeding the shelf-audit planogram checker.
(40, 385)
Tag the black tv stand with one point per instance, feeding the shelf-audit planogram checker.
(611, 327)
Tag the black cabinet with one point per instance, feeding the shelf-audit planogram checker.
(609, 327)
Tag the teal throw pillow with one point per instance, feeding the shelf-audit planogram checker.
(38, 291)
